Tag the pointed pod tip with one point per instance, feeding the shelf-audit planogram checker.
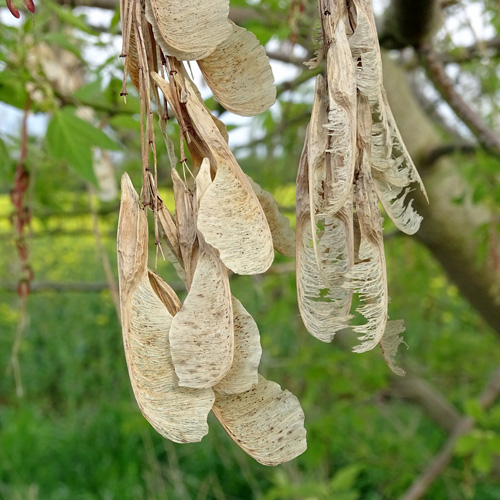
(127, 188)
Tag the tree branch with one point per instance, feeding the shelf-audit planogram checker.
(409, 23)
(442, 459)
(476, 50)
(431, 401)
(445, 150)
(437, 74)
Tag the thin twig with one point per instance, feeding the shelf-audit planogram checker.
(442, 459)
(447, 149)
(113, 287)
(489, 139)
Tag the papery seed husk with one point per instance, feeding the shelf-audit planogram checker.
(243, 374)
(176, 413)
(202, 334)
(240, 75)
(266, 422)
(189, 30)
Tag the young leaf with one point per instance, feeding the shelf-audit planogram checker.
(70, 139)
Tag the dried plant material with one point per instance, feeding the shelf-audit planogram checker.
(186, 226)
(366, 51)
(165, 293)
(202, 337)
(132, 59)
(266, 422)
(341, 118)
(239, 74)
(189, 30)
(176, 413)
(243, 374)
(393, 168)
(324, 306)
(132, 239)
(390, 343)
(203, 181)
(230, 216)
(394, 172)
(230, 219)
(283, 235)
(368, 276)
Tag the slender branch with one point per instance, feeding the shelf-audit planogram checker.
(473, 51)
(442, 459)
(420, 392)
(489, 139)
(438, 152)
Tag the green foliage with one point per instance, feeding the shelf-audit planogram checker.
(70, 139)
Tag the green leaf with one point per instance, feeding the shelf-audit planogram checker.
(63, 41)
(466, 444)
(473, 409)
(345, 478)
(70, 139)
(67, 17)
(482, 460)
(65, 146)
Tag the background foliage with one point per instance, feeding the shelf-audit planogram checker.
(69, 427)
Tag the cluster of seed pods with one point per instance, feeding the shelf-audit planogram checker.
(187, 359)
(353, 158)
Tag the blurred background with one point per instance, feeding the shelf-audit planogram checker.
(69, 426)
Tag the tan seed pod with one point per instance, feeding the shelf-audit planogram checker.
(323, 303)
(232, 220)
(230, 215)
(243, 374)
(177, 413)
(189, 30)
(341, 126)
(239, 74)
(165, 293)
(368, 277)
(202, 335)
(283, 235)
(266, 422)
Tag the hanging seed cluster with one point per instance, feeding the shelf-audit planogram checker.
(353, 158)
(187, 359)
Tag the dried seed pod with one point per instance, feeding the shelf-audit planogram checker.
(165, 293)
(175, 412)
(230, 216)
(239, 74)
(283, 235)
(266, 422)
(324, 306)
(368, 276)
(243, 374)
(202, 334)
(341, 126)
(232, 220)
(189, 30)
